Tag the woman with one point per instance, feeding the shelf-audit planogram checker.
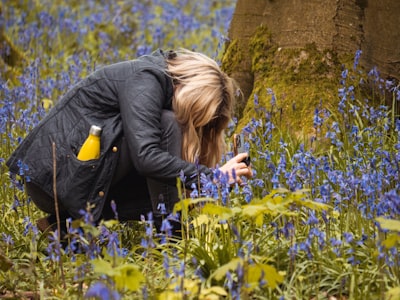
(161, 114)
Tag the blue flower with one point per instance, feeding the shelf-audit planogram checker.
(114, 209)
(101, 291)
(273, 98)
(7, 239)
(312, 219)
(256, 103)
(345, 73)
(348, 237)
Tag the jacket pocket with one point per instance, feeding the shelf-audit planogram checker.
(75, 182)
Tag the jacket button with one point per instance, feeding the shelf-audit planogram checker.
(114, 149)
(101, 194)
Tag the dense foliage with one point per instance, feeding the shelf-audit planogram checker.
(319, 218)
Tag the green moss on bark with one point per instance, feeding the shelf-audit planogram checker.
(300, 78)
(232, 57)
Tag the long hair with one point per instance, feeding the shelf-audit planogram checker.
(203, 105)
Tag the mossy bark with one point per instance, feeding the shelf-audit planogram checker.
(301, 79)
(298, 51)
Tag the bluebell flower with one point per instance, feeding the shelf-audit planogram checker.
(194, 193)
(397, 93)
(147, 241)
(7, 239)
(114, 209)
(348, 237)
(318, 120)
(182, 176)
(29, 227)
(161, 207)
(236, 232)
(356, 59)
(256, 103)
(16, 203)
(345, 73)
(53, 248)
(166, 265)
(166, 227)
(113, 245)
(101, 291)
(306, 247)
(273, 103)
(336, 246)
(293, 251)
(247, 192)
(87, 217)
(143, 50)
(312, 218)
(288, 230)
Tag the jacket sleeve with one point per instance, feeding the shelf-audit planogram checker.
(142, 99)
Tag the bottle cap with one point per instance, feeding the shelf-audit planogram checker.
(95, 130)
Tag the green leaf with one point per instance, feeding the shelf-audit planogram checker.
(200, 220)
(255, 212)
(214, 290)
(278, 197)
(280, 191)
(274, 199)
(251, 210)
(190, 286)
(103, 267)
(313, 204)
(128, 277)
(186, 203)
(110, 223)
(170, 295)
(214, 209)
(393, 294)
(232, 265)
(391, 240)
(389, 224)
(256, 272)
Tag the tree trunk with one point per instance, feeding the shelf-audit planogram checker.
(337, 28)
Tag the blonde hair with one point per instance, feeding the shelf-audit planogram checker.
(203, 105)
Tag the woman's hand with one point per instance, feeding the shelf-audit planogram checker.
(237, 164)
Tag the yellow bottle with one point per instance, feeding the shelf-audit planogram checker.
(91, 147)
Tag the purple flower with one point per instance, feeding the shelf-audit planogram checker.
(114, 209)
(7, 239)
(345, 73)
(166, 264)
(256, 103)
(182, 176)
(166, 227)
(357, 59)
(29, 227)
(312, 219)
(273, 99)
(101, 291)
(348, 237)
(194, 193)
(161, 207)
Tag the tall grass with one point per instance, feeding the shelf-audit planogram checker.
(319, 218)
